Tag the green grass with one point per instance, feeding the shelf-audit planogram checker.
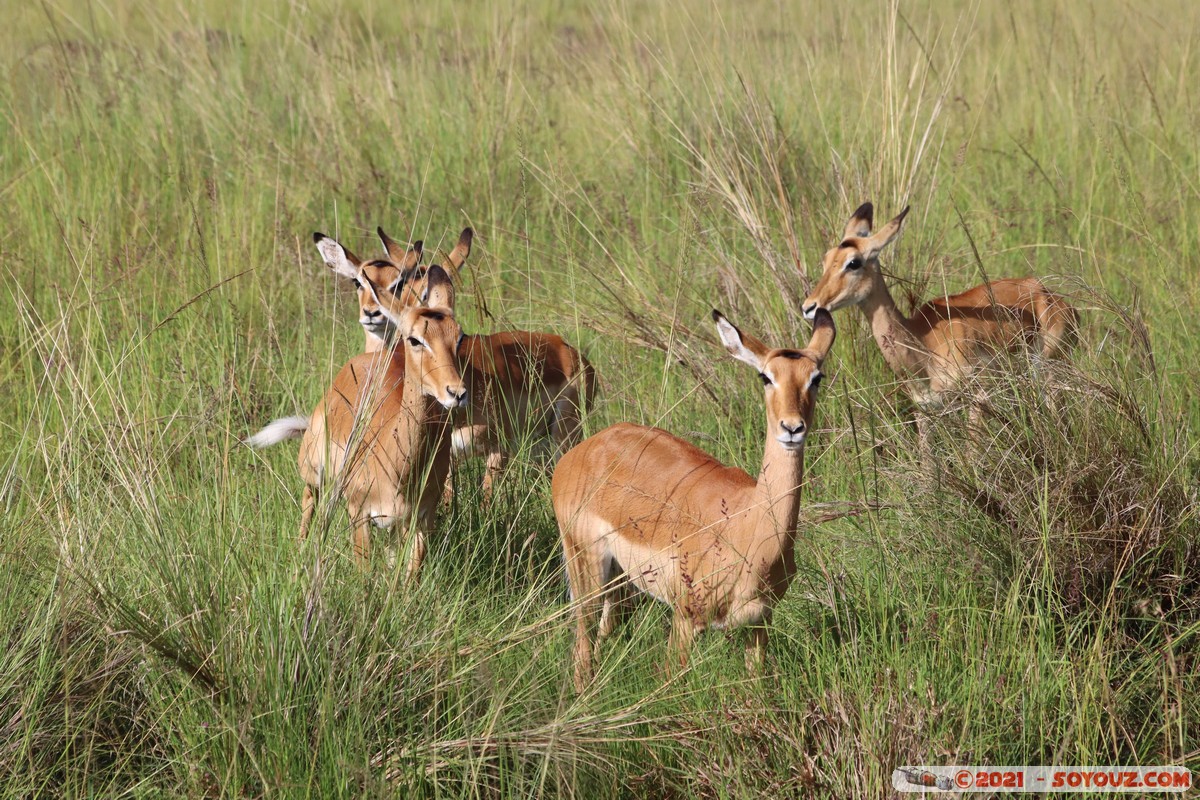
(627, 168)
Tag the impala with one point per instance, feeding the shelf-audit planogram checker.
(945, 341)
(398, 274)
(521, 383)
(638, 507)
(381, 431)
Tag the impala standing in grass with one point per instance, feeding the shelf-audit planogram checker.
(937, 349)
(381, 430)
(521, 383)
(638, 506)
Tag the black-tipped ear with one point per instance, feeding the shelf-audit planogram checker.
(744, 348)
(439, 289)
(403, 256)
(459, 254)
(413, 257)
(862, 221)
(336, 257)
(885, 235)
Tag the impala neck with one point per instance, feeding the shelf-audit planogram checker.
(417, 411)
(375, 344)
(777, 497)
(901, 349)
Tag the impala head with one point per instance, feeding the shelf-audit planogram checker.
(430, 336)
(850, 270)
(413, 283)
(790, 377)
(392, 275)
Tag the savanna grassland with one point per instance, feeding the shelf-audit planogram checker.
(627, 167)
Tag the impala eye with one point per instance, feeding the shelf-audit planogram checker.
(815, 383)
(852, 264)
(357, 283)
(766, 380)
(414, 341)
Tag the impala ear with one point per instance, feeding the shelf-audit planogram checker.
(744, 348)
(861, 222)
(336, 257)
(439, 290)
(412, 257)
(823, 335)
(884, 237)
(458, 255)
(400, 255)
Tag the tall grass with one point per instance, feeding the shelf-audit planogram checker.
(163, 631)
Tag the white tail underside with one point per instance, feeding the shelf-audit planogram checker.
(277, 431)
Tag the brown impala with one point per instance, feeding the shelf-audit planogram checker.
(381, 430)
(937, 349)
(521, 383)
(638, 506)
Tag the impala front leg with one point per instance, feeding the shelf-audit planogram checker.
(679, 645)
(308, 506)
(925, 448)
(980, 409)
(496, 461)
(617, 602)
(417, 557)
(756, 648)
(362, 540)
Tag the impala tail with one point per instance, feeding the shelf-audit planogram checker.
(277, 431)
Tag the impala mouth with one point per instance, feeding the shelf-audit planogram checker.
(451, 400)
(792, 444)
(810, 311)
(375, 326)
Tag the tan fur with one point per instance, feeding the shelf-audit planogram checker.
(399, 272)
(934, 351)
(381, 431)
(521, 383)
(637, 506)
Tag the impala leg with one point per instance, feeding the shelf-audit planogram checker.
(756, 648)
(308, 506)
(585, 582)
(567, 427)
(679, 645)
(587, 620)
(417, 558)
(462, 443)
(929, 464)
(362, 540)
(497, 459)
(617, 603)
(980, 409)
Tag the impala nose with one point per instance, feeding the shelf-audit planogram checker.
(792, 437)
(810, 310)
(792, 430)
(458, 396)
